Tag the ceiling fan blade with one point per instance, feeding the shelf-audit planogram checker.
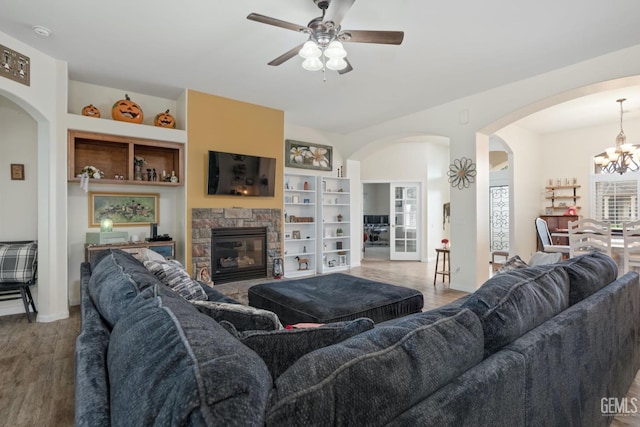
(336, 12)
(347, 68)
(364, 36)
(286, 56)
(278, 23)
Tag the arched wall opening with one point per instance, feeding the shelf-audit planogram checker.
(531, 167)
(52, 296)
(413, 157)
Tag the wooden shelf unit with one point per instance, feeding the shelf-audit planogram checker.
(573, 197)
(114, 155)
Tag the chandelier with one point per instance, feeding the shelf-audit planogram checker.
(621, 158)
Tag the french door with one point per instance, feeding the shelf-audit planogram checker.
(404, 240)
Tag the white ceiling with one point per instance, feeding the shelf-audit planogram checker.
(450, 50)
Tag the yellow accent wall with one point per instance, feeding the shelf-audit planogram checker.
(223, 124)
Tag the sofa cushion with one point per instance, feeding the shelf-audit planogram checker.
(169, 364)
(348, 383)
(242, 317)
(115, 281)
(172, 274)
(281, 348)
(589, 273)
(512, 263)
(18, 262)
(517, 301)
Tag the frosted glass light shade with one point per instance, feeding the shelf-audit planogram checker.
(106, 225)
(335, 50)
(310, 50)
(312, 64)
(336, 64)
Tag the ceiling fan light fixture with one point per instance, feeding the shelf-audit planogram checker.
(335, 50)
(336, 64)
(312, 64)
(310, 50)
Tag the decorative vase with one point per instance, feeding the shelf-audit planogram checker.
(138, 173)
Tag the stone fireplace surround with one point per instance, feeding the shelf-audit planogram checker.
(204, 219)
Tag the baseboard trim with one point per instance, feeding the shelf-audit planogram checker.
(53, 317)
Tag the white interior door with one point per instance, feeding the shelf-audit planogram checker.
(405, 222)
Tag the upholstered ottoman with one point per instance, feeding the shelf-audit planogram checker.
(334, 297)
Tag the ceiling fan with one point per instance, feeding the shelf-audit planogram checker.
(323, 49)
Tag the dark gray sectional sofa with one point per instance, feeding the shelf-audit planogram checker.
(540, 346)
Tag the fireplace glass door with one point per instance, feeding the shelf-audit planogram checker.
(238, 254)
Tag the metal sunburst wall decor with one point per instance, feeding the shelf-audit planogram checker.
(462, 173)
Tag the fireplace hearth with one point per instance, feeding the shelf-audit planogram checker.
(238, 253)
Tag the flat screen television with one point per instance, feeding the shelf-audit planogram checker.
(240, 175)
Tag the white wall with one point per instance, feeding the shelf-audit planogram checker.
(415, 162)
(571, 154)
(82, 94)
(78, 205)
(19, 144)
(19, 199)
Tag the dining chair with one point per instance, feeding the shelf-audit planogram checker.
(545, 239)
(589, 235)
(631, 249)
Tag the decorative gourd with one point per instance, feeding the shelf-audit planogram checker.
(164, 120)
(90, 111)
(125, 110)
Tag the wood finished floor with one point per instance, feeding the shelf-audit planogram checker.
(37, 359)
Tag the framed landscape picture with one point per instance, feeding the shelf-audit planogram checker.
(307, 155)
(124, 209)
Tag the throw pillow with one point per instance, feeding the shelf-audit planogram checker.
(174, 276)
(146, 254)
(282, 348)
(18, 262)
(242, 317)
(512, 263)
(543, 258)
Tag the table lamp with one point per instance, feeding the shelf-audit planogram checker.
(106, 225)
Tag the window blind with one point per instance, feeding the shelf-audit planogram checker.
(616, 201)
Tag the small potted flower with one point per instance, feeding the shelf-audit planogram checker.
(445, 243)
(92, 172)
(340, 217)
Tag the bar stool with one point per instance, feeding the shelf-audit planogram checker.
(446, 261)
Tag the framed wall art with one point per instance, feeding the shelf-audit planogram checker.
(124, 209)
(307, 155)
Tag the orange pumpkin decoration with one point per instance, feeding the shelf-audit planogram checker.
(125, 110)
(90, 111)
(164, 120)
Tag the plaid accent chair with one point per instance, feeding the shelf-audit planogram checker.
(18, 271)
